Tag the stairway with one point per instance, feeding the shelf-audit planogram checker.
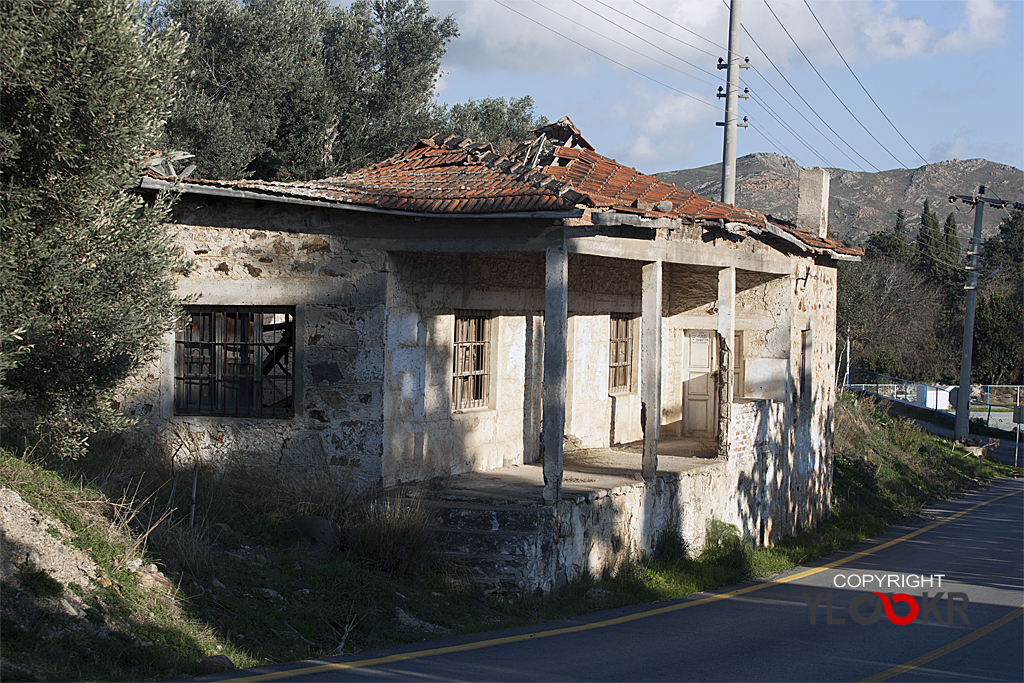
(496, 544)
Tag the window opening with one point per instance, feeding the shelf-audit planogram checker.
(620, 353)
(471, 376)
(235, 362)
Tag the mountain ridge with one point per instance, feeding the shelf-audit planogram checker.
(861, 202)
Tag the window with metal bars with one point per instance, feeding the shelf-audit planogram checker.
(235, 361)
(471, 377)
(620, 353)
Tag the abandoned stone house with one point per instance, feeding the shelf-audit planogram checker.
(450, 311)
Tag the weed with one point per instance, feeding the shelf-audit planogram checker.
(36, 581)
(670, 546)
(393, 534)
(726, 548)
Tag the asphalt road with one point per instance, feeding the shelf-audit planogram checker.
(767, 631)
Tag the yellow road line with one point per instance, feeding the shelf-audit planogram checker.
(945, 649)
(481, 644)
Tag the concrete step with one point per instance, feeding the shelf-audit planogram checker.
(493, 544)
(488, 517)
(502, 543)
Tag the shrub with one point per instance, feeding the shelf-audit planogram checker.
(726, 548)
(393, 534)
(670, 546)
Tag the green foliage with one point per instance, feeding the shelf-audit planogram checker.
(38, 582)
(725, 547)
(85, 265)
(892, 245)
(254, 97)
(998, 352)
(930, 244)
(670, 547)
(392, 534)
(299, 89)
(998, 355)
(504, 123)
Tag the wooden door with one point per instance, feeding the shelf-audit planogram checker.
(700, 394)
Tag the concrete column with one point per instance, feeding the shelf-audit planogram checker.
(726, 354)
(727, 325)
(650, 365)
(556, 317)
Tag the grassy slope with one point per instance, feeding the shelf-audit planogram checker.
(241, 595)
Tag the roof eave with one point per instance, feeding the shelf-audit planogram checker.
(150, 183)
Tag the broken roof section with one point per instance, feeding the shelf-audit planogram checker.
(556, 175)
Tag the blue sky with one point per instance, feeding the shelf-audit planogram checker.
(949, 76)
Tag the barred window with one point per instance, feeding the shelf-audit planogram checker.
(471, 378)
(620, 353)
(235, 361)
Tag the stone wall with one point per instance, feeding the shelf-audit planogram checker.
(595, 533)
(282, 258)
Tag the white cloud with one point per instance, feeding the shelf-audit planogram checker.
(967, 144)
(665, 131)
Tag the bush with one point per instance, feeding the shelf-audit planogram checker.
(727, 549)
(393, 534)
(670, 547)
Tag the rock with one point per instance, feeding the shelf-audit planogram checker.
(154, 580)
(222, 528)
(262, 555)
(598, 593)
(410, 622)
(214, 665)
(69, 608)
(217, 584)
(268, 593)
(316, 534)
(302, 594)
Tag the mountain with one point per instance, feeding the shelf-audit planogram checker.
(862, 203)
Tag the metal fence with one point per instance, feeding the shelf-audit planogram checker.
(992, 404)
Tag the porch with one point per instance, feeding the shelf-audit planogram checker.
(496, 526)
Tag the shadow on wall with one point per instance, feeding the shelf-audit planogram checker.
(762, 492)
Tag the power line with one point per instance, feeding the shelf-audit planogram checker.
(793, 88)
(809, 105)
(617, 63)
(667, 35)
(771, 138)
(849, 111)
(862, 85)
(713, 43)
(756, 98)
(656, 30)
(638, 37)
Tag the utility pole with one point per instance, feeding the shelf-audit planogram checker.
(963, 400)
(732, 96)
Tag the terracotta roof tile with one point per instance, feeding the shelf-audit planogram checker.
(454, 176)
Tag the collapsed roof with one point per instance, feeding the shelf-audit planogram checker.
(558, 175)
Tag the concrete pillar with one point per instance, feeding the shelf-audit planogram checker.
(812, 201)
(556, 317)
(650, 364)
(726, 354)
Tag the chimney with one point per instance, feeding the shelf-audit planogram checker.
(812, 201)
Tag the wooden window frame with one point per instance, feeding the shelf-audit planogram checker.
(621, 342)
(235, 361)
(471, 364)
